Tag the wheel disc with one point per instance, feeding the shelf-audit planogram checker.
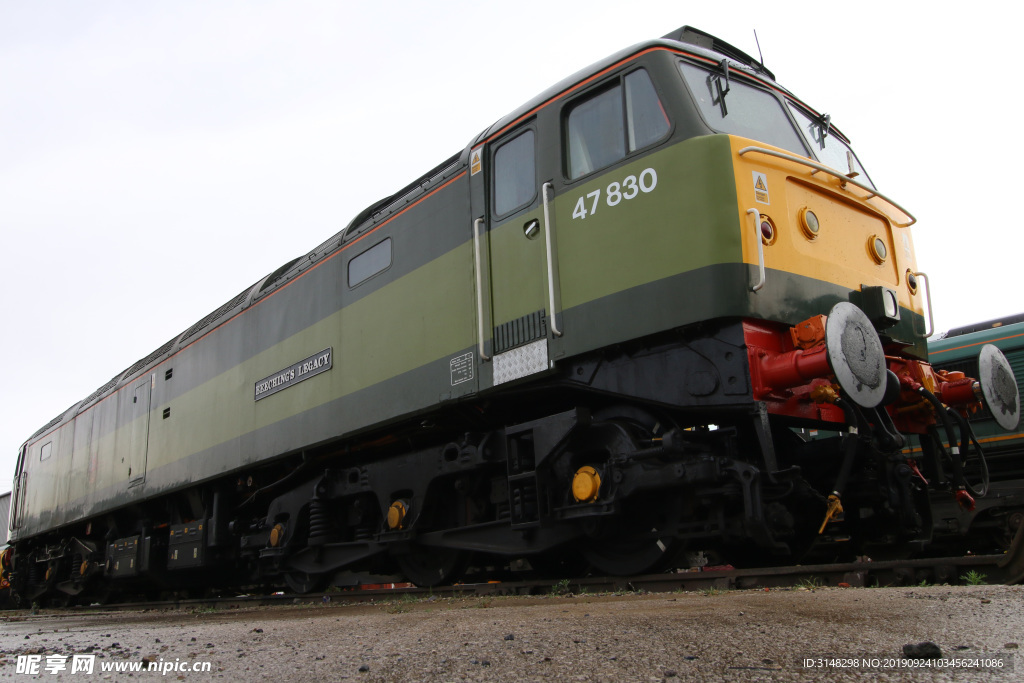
(628, 556)
(302, 583)
(431, 566)
(633, 544)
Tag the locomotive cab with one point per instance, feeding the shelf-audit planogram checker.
(677, 232)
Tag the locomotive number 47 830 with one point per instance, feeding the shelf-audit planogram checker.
(616, 192)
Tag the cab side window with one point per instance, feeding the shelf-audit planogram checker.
(515, 175)
(372, 261)
(605, 127)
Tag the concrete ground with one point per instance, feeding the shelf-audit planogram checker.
(846, 634)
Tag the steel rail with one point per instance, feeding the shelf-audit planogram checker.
(1006, 568)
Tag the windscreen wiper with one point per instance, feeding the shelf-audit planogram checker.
(824, 124)
(724, 66)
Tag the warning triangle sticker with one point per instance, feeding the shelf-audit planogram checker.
(761, 188)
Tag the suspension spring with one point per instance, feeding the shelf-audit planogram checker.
(320, 527)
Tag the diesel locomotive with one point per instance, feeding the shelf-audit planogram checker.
(587, 340)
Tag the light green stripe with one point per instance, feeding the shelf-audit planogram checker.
(421, 317)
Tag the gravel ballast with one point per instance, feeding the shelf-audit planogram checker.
(785, 634)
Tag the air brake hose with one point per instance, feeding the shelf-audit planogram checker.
(940, 412)
(856, 424)
(967, 438)
(891, 439)
(850, 446)
(960, 492)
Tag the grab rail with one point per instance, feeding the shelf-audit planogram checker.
(760, 248)
(551, 269)
(835, 174)
(479, 290)
(930, 330)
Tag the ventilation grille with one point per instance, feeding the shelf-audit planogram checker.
(47, 426)
(163, 350)
(102, 390)
(520, 331)
(386, 208)
(216, 315)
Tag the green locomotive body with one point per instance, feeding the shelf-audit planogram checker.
(564, 342)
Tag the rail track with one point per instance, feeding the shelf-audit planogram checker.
(1007, 568)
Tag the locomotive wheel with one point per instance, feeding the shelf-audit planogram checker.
(62, 600)
(565, 565)
(431, 566)
(302, 583)
(631, 544)
(103, 594)
(627, 556)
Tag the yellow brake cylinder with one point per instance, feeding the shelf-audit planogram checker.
(396, 514)
(586, 484)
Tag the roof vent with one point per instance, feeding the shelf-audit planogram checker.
(698, 38)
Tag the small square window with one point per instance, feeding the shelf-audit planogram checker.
(596, 136)
(369, 263)
(515, 175)
(46, 451)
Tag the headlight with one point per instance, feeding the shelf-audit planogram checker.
(892, 309)
(880, 305)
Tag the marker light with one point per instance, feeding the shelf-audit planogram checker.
(911, 281)
(768, 233)
(809, 223)
(877, 249)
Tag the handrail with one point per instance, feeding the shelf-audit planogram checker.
(835, 174)
(17, 508)
(760, 247)
(479, 290)
(930, 330)
(551, 270)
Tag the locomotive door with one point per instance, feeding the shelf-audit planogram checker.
(139, 445)
(523, 272)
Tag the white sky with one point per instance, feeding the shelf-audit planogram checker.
(157, 158)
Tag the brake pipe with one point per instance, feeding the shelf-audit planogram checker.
(850, 446)
(967, 437)
(964, 498)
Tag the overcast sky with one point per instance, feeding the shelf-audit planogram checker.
(158, 157)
